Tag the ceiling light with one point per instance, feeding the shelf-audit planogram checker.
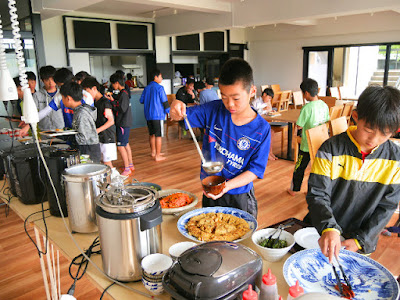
(154, 14)
(335, 18)
(175, 11)
(372, 14)
(275, 25)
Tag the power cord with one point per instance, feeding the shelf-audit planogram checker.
(29, 236)
(105, 290)
(82, 263)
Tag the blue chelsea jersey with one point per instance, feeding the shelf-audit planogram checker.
(241, 148)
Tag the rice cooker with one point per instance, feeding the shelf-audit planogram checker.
(214, 270)
(129, 219)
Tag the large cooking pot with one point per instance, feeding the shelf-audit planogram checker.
(129, 220)
(81, 184)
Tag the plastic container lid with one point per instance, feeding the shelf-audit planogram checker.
(296, 290)
(250, 294)
(269, 278)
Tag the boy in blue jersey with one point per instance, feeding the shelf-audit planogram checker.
(354, 185)
(155, 109)
(234, 133)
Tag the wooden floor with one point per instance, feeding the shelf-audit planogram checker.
(20, 275)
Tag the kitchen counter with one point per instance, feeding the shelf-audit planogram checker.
(59, 236)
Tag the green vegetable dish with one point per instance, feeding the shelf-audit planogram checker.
(273, 243)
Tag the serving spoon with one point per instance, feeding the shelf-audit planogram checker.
(210, 167)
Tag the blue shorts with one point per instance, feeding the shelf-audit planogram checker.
(123, 136)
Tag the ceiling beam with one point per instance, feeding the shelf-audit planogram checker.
(207, 6)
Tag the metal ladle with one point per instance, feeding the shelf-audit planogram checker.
(210, 167)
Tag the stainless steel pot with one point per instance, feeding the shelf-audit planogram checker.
(81, 184)
(129, 220)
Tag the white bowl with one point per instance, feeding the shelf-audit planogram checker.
(156, 264)
(177, 249)
(272, 254)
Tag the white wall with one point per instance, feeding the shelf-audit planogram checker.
(162, 49)
(54, 45)
(276, 53)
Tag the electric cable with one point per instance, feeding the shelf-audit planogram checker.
(105, 290)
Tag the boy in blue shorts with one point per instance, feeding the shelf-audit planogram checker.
(123, 121)
(234, 133)
(155, 109)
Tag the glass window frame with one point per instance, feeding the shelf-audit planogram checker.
(331, 50)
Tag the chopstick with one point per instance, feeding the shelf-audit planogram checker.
(344, 275)
(339, 282)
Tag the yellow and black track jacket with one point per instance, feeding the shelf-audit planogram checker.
(357, 198)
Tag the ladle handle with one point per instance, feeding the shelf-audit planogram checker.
(194, 139)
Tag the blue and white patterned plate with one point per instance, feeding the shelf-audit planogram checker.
(369, 279)
(218, 209)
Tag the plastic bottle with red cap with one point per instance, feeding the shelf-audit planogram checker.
(269, 289)
(250, 294)
(295, 291)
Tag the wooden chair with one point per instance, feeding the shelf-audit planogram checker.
(315, 138)
(334, 91)
(347, 110)
(284, 101)
(170, 122)
(280, 127)
(276, 88)
(298, 99)
(338, 125)
(276, 99)
(330, 101)
(263, 87)
(296, 147)
(335, 111)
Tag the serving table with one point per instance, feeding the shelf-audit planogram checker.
(289, 116)
(58, 236)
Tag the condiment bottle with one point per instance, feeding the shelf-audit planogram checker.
(269, 289)
(250, 294)
(295, 291)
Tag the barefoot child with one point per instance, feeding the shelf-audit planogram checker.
(155, 109)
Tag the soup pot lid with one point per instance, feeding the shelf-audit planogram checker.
(127, 199)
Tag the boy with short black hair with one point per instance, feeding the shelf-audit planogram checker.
(314, 113)
(123, 122)
(104, 122)
(155, 109)
(234, 134)
(83, 121)
(186, 93)
(208, 94)
(31, 81)
(42, 98)
(80, 76)
(354, 185)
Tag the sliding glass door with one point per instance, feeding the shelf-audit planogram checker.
(353, 67)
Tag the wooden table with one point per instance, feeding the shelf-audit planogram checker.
(59, 237)
(290, 116)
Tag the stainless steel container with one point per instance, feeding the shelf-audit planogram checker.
(81, 183)
(129, 220)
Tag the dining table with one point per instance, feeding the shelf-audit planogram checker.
(289, 116)
(61, 240)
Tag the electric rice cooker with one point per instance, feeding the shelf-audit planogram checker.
(214, 270)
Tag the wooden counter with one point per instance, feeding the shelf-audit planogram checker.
(58, 236)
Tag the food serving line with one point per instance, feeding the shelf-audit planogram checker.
(59, 237)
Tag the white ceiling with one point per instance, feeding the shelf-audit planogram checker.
(185, 16)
